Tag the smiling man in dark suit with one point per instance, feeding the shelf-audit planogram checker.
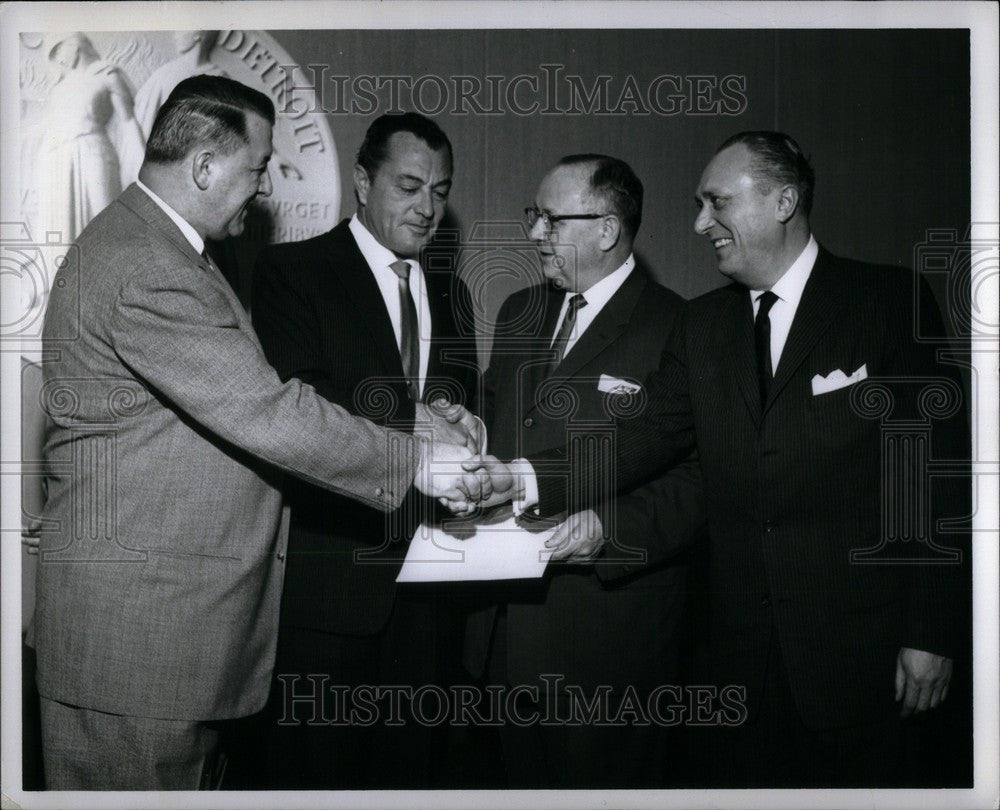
(567, 357)
(818, 608)
(355, 314)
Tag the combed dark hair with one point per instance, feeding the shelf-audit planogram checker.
(777, 158)
(375, 147)
(205, 109)
(616, 185)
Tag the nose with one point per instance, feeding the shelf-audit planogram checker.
(425, 204)
(704, 220)
(264, 188)
(538, 232)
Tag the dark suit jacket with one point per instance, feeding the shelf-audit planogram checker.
(160, 566)
(321, 318)
(793, 490)
(584, 622)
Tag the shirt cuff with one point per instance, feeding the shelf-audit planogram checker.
(525, 473)
(482, 432)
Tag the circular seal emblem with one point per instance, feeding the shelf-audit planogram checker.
(89, 101)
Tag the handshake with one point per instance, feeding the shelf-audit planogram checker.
(454, 466)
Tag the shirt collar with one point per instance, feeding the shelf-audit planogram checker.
(600, 293)
(789, 287)
(376, 254)
(185, 227)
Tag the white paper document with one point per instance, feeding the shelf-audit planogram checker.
(461, 550)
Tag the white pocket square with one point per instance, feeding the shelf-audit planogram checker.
(836, 380)
(613, 385)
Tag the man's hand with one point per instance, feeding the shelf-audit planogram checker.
(922, 680)
(452, 423)
(578, 539)
(31, 535)
(496, 485)
(443, 475)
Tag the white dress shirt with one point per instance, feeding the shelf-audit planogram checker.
(789, 289)
(379, 257)
(596, 297)
(189, 233)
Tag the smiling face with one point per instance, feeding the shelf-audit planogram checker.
(743, 222)
(571, 252)
(238, 178)
(402, 204)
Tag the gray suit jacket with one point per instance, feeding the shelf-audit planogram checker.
(162, 557)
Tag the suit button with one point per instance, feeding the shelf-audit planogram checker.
(765, 601)
(281, 556)
(768, 526)
(528, 422)
(379, 492)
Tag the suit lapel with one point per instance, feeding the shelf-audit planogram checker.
(543, 334)
(822, 300)
(348, 266)
(736, 340)
(606, 327)
(442, 321)
(139, 202)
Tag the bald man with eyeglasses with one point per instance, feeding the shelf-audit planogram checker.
(568, 357)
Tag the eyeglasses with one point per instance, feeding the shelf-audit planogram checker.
(550, 220)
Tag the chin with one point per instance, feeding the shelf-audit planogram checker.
(729, 271)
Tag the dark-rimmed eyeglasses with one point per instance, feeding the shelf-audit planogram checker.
(550, 220)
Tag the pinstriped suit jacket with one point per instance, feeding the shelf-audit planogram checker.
(161, 564)
(795, 488)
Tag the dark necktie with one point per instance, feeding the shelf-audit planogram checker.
(409, 348)
(762, 343)
(566, 329)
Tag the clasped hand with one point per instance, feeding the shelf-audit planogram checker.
(454, 466)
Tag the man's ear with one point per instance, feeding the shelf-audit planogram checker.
(611, 231)
(201, 168)
(362, 182)
(788, 203)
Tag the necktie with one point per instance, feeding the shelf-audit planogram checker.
(566, 329)
(762, 343)
(409, 349)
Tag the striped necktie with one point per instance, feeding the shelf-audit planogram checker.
(409, 349)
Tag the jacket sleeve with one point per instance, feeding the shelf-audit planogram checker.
(174, 328)
(925, 388)
(653, 524)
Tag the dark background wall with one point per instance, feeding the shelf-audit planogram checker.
(883, 113)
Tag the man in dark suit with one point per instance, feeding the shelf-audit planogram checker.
(335, 312)
(819, 609)
(163, 541)
(568, 357)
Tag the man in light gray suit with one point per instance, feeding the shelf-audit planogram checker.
(161, 557)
